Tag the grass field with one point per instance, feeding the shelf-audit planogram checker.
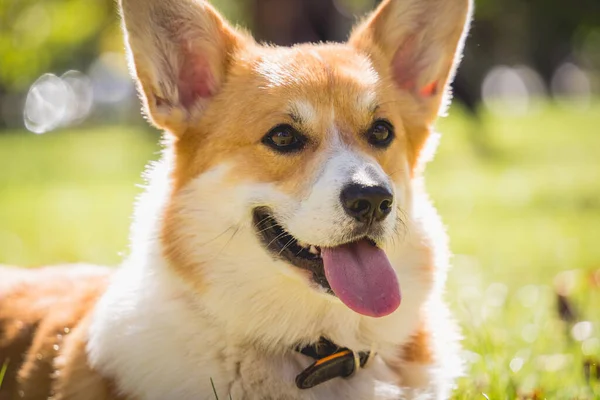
(522, 220)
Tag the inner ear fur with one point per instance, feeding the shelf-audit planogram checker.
(418, 45)
(179, 52)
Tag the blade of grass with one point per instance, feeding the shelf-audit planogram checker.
(214, 390)
(3, 371)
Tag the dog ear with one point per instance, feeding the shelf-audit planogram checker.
(418, 43)
(179, 53)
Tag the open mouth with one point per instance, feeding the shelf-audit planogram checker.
(285, 246)
(358, 273)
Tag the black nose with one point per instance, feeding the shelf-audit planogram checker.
(366, 203)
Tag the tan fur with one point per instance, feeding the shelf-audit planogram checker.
(41, 315)
(188, 25)
(418, 349)
(221, 136)
(435, 31)
(217, 93)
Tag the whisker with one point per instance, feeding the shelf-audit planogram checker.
(383, 103)
(228, 241)
(286, 245)
(401, 219)
(265, 229)
(276, 237)
(216, 237)
(263, 220)
(396, 171)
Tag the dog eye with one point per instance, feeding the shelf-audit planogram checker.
(381, 133)
(284, 139)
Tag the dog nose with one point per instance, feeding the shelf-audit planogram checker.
(366, 203)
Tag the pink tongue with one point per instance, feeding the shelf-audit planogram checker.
(362, 277)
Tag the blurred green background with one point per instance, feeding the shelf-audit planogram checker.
(516, 178)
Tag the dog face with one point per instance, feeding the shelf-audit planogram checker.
(293, 168)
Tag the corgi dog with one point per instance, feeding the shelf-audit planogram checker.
(285, 247)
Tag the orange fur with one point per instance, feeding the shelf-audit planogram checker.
(40, 316)
(418, 349)
(224, 137)
(217, 93)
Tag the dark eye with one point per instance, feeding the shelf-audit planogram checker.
(284, 139)
(381, 133)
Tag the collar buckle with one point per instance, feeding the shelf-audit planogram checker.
(331, 362)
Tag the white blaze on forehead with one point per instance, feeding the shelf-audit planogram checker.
(275, 73)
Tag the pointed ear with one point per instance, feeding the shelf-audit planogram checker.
(179, 52)
(418, 43)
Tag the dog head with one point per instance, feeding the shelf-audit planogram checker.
(293, 168)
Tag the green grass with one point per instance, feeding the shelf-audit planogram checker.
(3, 371)
(521, 219)
(67, 197)
(516, 220)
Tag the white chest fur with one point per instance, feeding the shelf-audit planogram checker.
(157, 343)
(159, 339)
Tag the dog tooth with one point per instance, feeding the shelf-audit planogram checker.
(313, 250)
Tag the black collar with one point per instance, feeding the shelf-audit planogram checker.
(332, 361)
